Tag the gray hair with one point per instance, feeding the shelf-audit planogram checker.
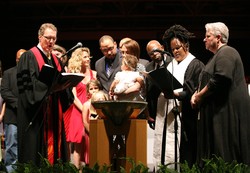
(218, 28)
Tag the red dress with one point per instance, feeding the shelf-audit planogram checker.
(73, 117)
(74, 128)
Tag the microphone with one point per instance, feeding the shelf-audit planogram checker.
(79, 44)
(163, 52)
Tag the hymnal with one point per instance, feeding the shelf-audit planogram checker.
(58, 81)
(163, 79)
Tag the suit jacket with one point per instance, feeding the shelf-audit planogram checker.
(143, 61)
(9, 93)
(102, 76)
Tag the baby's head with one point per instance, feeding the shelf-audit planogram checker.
(129, 61)
(99, 96)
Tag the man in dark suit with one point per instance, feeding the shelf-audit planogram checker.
(152, 91)
(9, 93)
(157, 102)
(110, 63)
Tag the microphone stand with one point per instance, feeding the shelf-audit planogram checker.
(163, 147)
(65, 64)
(79, 44)
(66, 53)
(176, 113)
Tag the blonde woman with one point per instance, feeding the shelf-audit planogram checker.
(75, 132)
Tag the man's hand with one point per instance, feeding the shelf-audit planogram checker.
(151, 123)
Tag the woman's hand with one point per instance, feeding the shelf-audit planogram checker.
(195, 100)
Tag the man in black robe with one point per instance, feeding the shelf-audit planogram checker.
(40, 122)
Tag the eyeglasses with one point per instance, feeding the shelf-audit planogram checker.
(49, 38)
(107, 49)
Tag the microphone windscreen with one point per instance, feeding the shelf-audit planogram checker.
(79, 44)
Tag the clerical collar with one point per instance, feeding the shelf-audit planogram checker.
(45, 53)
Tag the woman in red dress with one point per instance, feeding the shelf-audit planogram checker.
(75, 132)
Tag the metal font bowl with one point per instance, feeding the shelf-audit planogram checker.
(119, 111)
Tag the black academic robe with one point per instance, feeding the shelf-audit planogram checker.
(189, 116)
(39, 113)
(223, 127)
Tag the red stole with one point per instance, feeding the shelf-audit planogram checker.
(40, 59)
(48, 128)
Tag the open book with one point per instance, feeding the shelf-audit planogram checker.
(58, 81)
(163, 79)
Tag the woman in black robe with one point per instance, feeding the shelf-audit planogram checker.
(223, 101)
(177, 42)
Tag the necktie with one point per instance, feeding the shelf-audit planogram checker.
(108, 69)
(158, 66)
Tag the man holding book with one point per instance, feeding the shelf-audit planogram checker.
(40, 123)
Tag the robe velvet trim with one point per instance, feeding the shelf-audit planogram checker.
(49, 135)
(40, 60)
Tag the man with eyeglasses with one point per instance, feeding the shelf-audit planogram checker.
(39, 121)
(110, 63)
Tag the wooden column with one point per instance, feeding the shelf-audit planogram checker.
(131, 137)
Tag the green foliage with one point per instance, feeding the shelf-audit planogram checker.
(166, 169)
(185, 168)
(214, 165)
(218, 165)
(45, 167)
(97, 169)
(136, 168)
